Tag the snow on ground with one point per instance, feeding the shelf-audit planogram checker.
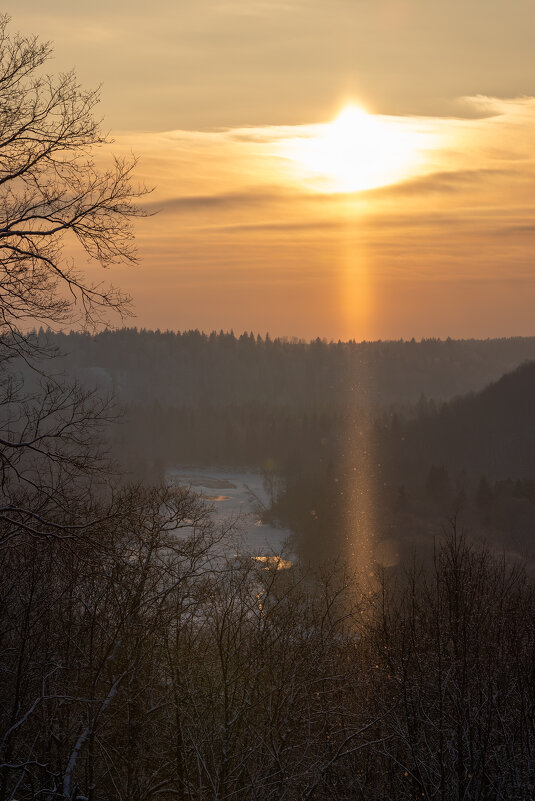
(235, 495)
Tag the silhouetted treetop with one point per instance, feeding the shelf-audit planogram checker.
(50, 187)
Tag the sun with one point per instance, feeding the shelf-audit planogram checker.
(357, 151)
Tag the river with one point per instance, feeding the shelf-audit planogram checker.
(236, 495)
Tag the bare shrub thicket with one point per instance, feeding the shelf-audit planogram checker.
(154, 666)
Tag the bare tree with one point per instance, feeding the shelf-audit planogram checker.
(50, 187)
(82, 690)
(51, 192)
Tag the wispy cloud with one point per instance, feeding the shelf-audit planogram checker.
(235, 214)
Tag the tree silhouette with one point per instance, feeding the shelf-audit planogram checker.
(51, 187)
(51, 191)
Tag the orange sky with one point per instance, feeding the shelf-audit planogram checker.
(220, 99)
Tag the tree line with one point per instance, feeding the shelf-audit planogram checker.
(195, 369)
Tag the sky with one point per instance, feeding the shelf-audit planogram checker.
(346, 169)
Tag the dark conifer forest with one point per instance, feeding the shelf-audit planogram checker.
(450, 423)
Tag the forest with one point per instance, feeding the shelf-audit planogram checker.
(447, 425)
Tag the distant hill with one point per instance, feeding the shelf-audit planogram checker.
(195, 398)
(193, 369)
(491, 432)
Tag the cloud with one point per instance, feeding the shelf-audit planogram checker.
(516, 230)
(449, 181)
(224, 202)
(357, 226)
(446, 182)
(238, 221)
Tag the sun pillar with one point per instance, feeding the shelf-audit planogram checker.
(356, 310)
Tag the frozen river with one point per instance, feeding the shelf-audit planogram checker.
(235, 495)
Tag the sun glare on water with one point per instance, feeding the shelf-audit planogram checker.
(357, 151)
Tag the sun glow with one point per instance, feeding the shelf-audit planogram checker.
(358, 151)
